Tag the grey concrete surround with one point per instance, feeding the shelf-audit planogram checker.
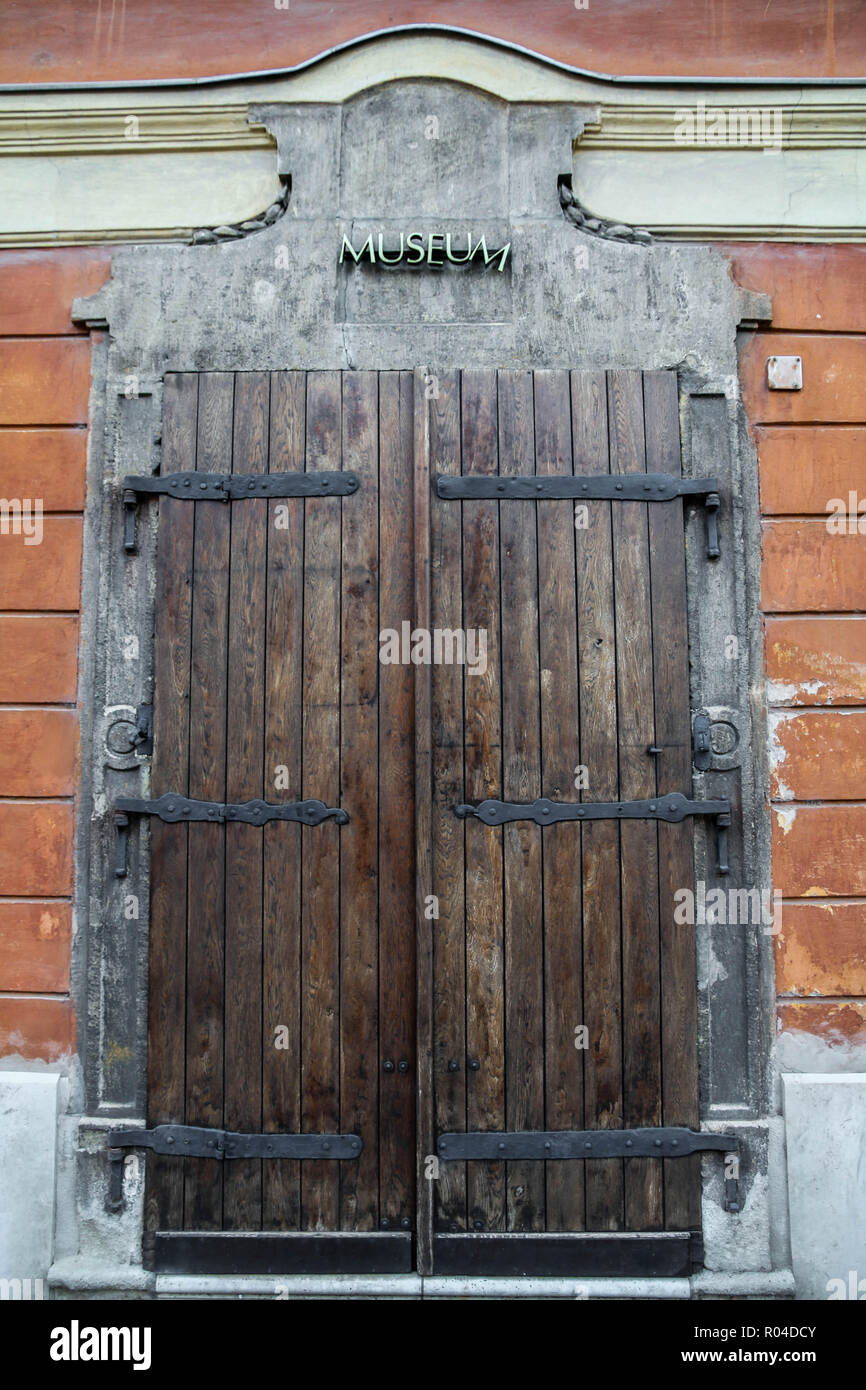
(277, 299)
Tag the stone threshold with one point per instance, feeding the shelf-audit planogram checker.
(77, 1279)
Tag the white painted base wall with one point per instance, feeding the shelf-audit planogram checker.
(825, 1124)
(825, 1121)
(28, 1167)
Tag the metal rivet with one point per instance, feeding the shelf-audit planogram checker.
(385, 1223)
(203, 487)
(587, 1146)
(547, 1144)
(652, 805)
(187, 483)
(500, 1147)
(658, 1143)
(406, 1223)
(619, 487)
(474, 1065)
(629, 1143)
(326, 1146)
(403, 1066)
(388, 1066)
(169, 1139)
(453, 1065)
(478, 1225)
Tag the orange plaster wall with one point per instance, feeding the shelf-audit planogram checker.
(811, 450)
(100, 40)
(44, 387)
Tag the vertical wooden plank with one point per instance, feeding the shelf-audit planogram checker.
(170, 771)
(242, 1180)
(320, 948)
(396, 808)
(359, 787)
(281, 911)
(207, 772)
(637, 779)
(448, 931)
(523, 926)
(485, 1041)
(423, 835)
(675, 842)
(602, 963)
(560, 758)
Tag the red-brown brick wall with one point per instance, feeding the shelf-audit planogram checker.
(811, 449)
(85, 41)
(44, 389)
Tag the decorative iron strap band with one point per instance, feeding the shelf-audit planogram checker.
(617, 487)
(668, 1142)
(173, 808)
(603, 487)
(673, 807)
(671, 1142)
(176, 808)
(189, 1141)
(229, 487)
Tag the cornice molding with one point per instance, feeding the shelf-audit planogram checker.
(127, 130)
(149, 129)
(140, 163)
(635, 126)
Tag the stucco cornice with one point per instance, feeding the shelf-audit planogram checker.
(143, 163)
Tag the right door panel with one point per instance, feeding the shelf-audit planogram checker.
(564, 995)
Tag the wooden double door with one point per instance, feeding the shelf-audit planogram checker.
(398, 971)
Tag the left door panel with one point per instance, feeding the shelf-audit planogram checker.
(282, 970)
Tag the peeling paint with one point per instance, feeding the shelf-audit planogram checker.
(715, 969)
(805, 693)
(785, 818)
(814, 676)
(777, 753)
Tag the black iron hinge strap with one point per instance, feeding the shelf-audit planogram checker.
(173, 808)
(603, 487)
(672, 807)
(190, 1141)
(667, 1142)
(230, 487)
